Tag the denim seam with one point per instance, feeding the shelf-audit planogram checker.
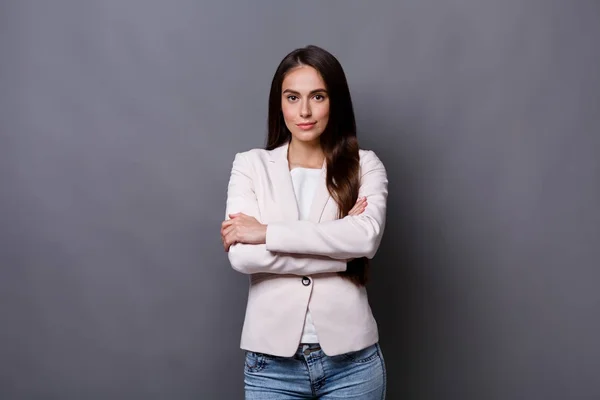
(319, 383)
(307, 362)
(363, 360)
(383, 393)
(260, 363)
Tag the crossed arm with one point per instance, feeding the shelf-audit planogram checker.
(302, 247)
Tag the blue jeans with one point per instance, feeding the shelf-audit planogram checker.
(310, 374)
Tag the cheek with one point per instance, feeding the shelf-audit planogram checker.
(322, 112)
(288, 111)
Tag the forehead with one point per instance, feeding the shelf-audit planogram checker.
(303, 78)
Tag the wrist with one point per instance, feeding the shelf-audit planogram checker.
(264, 234)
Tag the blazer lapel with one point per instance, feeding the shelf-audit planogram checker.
(321, 196)
(284, 187)
(282, 183)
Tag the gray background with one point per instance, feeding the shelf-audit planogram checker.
(119, 123)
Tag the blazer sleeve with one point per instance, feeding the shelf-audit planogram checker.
(255, 258)
(348, 237)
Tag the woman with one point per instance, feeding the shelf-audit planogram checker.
(304, 216)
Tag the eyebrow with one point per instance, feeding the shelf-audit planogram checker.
(312, 92)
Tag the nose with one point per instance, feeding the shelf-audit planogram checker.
(305, 111)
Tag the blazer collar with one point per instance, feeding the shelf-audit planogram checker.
(283, 182)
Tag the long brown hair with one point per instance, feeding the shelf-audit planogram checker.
(338, 140)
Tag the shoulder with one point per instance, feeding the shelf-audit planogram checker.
(252, 156)
(369, 161)
(259, 156)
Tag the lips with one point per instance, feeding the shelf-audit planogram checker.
(306, 126)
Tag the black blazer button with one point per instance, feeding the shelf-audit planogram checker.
(305, 280)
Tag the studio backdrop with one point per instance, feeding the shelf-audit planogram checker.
(119, 122)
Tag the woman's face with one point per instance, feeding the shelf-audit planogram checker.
(304, 104)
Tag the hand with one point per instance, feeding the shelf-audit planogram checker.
(242, 228)
(359, 206)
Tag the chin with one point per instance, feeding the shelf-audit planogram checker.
(306, 137)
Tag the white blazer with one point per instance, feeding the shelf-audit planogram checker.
(297, 267)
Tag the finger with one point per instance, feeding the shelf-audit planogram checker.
(229, 240)
(359, 209)
(227, 223)
(225, 226)
(361, 203)
(227, 231)
(358, 203)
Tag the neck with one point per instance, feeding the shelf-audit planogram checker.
(306, 155)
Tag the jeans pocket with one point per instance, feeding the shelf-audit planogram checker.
(255, 362)
(362, 356)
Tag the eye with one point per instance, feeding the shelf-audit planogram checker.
(319, 97)
(292, 97)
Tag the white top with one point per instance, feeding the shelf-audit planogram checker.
(305, 182)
